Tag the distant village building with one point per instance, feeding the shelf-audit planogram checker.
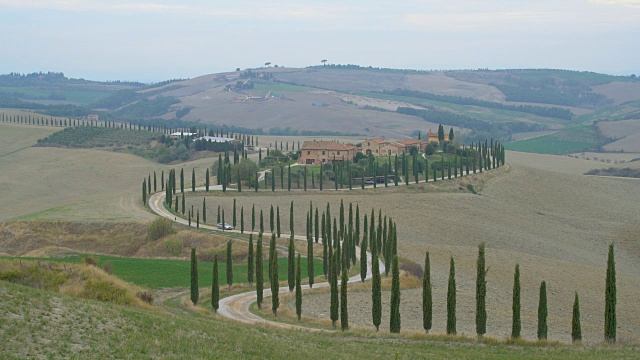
(214, 139)
(179, 134)
(381, 147)
(319, 152)
(433, 136)
(93, 117)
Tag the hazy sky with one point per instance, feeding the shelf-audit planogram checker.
(153, 40)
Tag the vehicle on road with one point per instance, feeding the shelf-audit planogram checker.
(224, 226)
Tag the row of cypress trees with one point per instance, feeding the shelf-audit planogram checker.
(481, 314)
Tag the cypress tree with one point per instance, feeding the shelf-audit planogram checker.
(427, 296)
(271, 219)
(291, 264)
(291, 224)
(395, 298)
(215, 287)
(576, 330)
(275, 286)
(253, 217)
(149, 184)
(298, 290)
(154, 182)
(451, 300)
(206, 180)
(229, 265)
(193, 180)
(204, 209)
(176, 204)
(317, 227)
(610, 299)
(239, 181)
(181, 180)
(198, 219)
(194, 277)
(273, 180)
(144, 192)
(242, 220)
(310, 268)
(233, 216)
(516, 324)
(481, 293)
(376, 294)
(183, 204)
(250, 258)
(259, 272)
(333, 283)
(278, 221)
(261, 222)
(542, 312)
(363, 257)
(289, 178)
(344, 315)
(272, 255)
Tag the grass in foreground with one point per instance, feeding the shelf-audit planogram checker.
(36, 323)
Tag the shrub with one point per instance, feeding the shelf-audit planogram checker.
(174, 247)
(107, 266)
(90, 260)
(412, 268)
(105, 291)
(36, 276)
(159, 228)
(145, 296)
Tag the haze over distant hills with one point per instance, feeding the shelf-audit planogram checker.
(346, 99)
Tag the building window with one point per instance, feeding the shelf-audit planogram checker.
(338, 152)
(323, 153)
(308, 152)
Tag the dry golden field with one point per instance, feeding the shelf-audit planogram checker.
(556, 224)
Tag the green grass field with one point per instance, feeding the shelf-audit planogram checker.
(155, 273)
(39, 324)
(85, 97)
(568, 141)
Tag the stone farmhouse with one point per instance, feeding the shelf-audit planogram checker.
(433, 136)
(319, 152)
(381, 147)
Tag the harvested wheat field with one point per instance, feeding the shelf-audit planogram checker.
(556, 225)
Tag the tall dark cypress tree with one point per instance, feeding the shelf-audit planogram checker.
(193, 180)
(333, 284)
(278, 221)
(259, 272)
(242, 220)
(376, 294)
(144, 192)
(427, 296)
(250, 262)
(204, 209)
(229, 264)
(182, 180)
(542, 312)
(194, 277)
(363, 257)
(516, 324)
(481, 293)
(253, 217)
(451, 300)
(233, 216)
(298, 290)
(206, 180)
(275, 286)
(183, 204)
(576, 329)
(261, 222)
(291, 271)
(215, 286)
(344, 314)
(154, 182)
(610, 299)
(271, 219)
(394, 326)
(310, 268)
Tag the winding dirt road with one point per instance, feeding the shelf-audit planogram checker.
(236, 307)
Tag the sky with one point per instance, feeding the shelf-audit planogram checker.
(155, 40)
